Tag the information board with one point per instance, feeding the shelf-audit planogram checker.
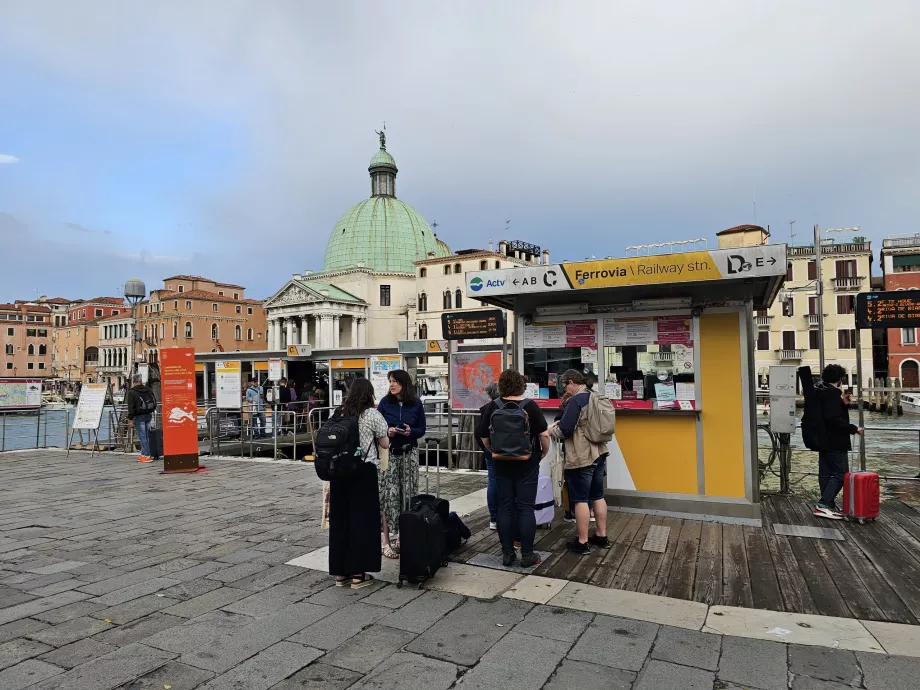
(229, 385)
(90, 405)
(893, 309)
(470, 373)
(180, 409)
(381, 366)
(20, 394)
(274, 369)
(472, 325)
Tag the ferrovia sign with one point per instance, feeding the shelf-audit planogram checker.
(716, 264)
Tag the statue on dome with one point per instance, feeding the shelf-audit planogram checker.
(383, 138)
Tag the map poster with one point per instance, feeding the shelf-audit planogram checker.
(381, 366)
(89, 406)
(229, 385)
(470, 373)
(180, 410)
(20, 394)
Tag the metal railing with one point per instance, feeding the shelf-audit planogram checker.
(790, 355)
(847, 283)
(812, 319)
(901, 242)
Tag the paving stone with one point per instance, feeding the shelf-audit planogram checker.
(26, 581)
(30, 608)
(231, 647)
(319, 676)
(469, 631)
(77, 653)
(207, 602)
(69, 612)
(404, 671)
(173, 675)
(20, 649)
(339, 626)
(837, 665)
(267, 601)
(120, 596)
(113, 584)
(393, 597)
(27, 673)
(267, 668)
(688, 647)
(57, 587)
(516, 662)
(140, 629)
(11, 597)
(237, 572)
(57, 567)
(337, 597)
(554, 623)
(198, 632)
(23, 626)
(70, 631)
(580, 675)
(137, 608)
(884, 673)
(369, 648)
(241, 555)
(268, 578)
(616, 642)
(806, 683)
(660, 675)
(109, 671)
(198, 571)
(183, 591)
(757, 663)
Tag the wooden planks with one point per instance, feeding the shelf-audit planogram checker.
(792, 585)
(736, 579)
(630, 571)
(683, 569)
(707, 587)
(655, 578)
(765, 591)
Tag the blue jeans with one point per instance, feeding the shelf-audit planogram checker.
(258, 423)
(491, 489)
(516, 484)
(832, 465)
(142, 425)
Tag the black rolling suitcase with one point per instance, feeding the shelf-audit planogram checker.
(455, 532)
(422, 546)
(155, 438)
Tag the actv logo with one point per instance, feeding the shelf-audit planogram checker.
(476, 284)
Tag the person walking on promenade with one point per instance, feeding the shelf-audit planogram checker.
(491, 487)
(354, 501)
(520, 428)
(141, 404)
(256, 409)
(405, 416)
(585, 464)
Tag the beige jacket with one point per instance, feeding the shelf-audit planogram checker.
(579, 451)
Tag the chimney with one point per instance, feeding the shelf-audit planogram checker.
(490, 246)
(546, 257)
(502, 246)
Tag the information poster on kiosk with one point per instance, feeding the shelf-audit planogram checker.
(180, 410)
(470, 373)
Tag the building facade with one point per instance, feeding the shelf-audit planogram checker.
(900, 260)
(75, 356)
(25, 336)
(191, 311)
(116, 336)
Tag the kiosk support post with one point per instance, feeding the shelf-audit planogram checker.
(859, 401)
(451, 348)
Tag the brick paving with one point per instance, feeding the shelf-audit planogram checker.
(115, 577)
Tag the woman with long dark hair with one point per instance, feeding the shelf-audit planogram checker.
(354, 503)
(405, 417)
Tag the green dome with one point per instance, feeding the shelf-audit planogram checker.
(443, 250)
(385, 233)
(381, 158)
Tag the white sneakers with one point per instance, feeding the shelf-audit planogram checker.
(828, 513)
(493, 526)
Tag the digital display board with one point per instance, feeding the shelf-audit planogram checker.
(471, 325)
(897, 309)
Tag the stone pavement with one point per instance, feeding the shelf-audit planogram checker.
(113, 576)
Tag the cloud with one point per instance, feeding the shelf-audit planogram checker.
(7, 158)
(83, 228)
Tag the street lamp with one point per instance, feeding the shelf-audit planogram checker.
(135, 291)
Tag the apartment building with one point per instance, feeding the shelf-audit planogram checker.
(191, 311)
(75, 356)
(116, 334)
(25, 336)
(900, 260)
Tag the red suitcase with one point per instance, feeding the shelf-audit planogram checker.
(861, 496)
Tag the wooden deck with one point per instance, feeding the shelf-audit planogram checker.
(873, 574)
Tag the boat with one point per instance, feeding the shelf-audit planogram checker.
(910, 403)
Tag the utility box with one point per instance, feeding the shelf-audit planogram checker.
(782, 399)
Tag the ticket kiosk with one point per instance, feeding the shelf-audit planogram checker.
(669, 338)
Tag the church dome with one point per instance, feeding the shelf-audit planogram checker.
(384, 233)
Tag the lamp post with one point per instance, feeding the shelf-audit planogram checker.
(135, 291)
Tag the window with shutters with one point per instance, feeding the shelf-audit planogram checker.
(188, 329)
(447, 299)
(213, 331)
(812, 270)
(812, 340)
(763, 340)
(846, 339)
(812, 306)
(846, 304)
(384, 295)
(423, 302)
(908, 336)
(458, 299)
(788, 340)
(789, 271)
(846, 268)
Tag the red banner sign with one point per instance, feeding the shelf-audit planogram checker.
(180, 411)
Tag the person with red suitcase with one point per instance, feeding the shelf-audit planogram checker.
(826, 428)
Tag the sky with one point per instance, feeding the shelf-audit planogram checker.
(225, 137)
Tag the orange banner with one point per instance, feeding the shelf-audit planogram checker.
(180, 410)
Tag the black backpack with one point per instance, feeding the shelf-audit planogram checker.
(509, 432)
(814, 431)
(145, 402)
(337, 449)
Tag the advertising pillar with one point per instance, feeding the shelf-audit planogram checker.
(180, 411)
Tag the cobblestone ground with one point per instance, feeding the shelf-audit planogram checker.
(113, 576)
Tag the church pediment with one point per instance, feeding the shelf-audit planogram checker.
(292, 294)
(301, 292)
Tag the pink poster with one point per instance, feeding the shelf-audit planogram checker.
(674, 330)
(580, 333)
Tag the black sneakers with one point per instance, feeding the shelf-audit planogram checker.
(528, 560)
(508, 558)
(600, 542)
(576, 546)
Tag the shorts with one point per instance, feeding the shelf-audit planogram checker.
(586, 484)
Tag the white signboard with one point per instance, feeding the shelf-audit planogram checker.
(143, 370)
(229, 385)
(381, 366)
(90, 405)
(623, 332)
(274, 370)
(532, 391)
(545, 335)
(20, 393)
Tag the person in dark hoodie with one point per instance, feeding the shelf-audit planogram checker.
(141, 404)
(833, 458)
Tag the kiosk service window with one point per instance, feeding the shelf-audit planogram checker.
(641, 362)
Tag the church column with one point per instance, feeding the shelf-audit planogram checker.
(276, 330)
(362, 331)
(304, 334)
(270, 336)
(289, 322)
(335, 330)
(325, 331)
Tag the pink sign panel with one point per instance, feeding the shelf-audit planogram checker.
(580, 333)
(674, 330)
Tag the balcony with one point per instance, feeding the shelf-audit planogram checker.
(812, 320)
(91, 363)
(847, 284)
(901, 242)
(828, 248)
(791, 355)
(763, 321)
(664, 356)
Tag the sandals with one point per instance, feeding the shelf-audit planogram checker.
(389, 552)
(362, 581)
(342, 582)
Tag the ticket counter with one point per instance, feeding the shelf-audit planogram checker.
(669, 339)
